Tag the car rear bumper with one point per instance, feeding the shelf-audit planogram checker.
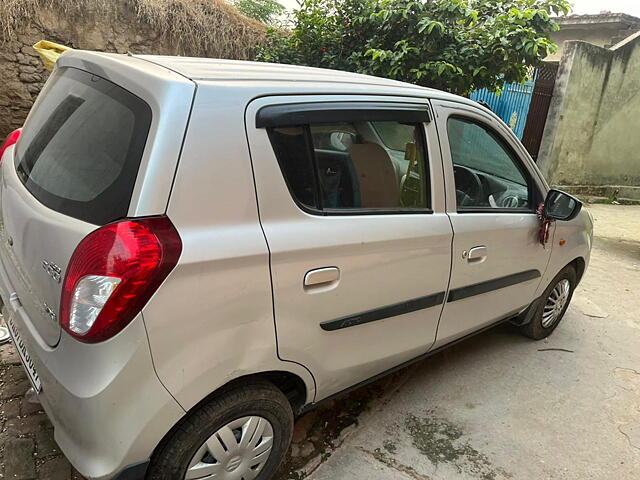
(108, 407)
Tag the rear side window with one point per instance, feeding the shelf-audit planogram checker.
(348, 168)
(82, 146)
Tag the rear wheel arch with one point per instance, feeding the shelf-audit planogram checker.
(290, 384)
(293, 387)
(238, 402)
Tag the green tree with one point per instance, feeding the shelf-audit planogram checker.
(454, 45)
(265, 11)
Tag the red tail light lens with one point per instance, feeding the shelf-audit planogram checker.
(11, 139)
(112, 274)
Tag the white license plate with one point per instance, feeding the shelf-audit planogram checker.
(27, 363)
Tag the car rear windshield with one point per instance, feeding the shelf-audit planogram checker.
(81, 148)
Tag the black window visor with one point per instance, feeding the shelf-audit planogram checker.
(295, 114)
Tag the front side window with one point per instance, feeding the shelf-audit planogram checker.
(487, 173)
(347, 166)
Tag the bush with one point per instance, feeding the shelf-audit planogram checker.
(453, 45)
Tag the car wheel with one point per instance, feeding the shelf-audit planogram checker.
(241, 434)
(552, 307)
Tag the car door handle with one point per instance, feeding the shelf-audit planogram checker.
(322, 277)
(477, 254)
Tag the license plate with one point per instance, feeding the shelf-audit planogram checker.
(27, 363)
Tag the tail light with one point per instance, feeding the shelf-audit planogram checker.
(11, 139)
(112, 274)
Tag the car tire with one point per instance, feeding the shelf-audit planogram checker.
(547, 317)
(214, 427)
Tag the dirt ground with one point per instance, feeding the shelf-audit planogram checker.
(498, 406)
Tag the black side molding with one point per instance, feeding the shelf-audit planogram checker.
(384, 312)
(296, 114)
(490, 285)
(428, 301)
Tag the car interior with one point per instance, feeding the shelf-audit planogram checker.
(356, 169)
(487, 174)
(478, 189)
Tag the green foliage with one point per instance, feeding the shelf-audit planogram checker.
(453, 45)
(265, 11)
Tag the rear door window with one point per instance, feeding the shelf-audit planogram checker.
(82, 146)
(344, 168)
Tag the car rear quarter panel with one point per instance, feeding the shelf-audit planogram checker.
(212, 319)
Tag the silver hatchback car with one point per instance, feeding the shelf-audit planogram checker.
(193, 252)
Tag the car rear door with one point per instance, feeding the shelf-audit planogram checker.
(73, 169)
(493, 192)
(350, 195)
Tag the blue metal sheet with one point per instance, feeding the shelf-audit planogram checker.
(512, 105)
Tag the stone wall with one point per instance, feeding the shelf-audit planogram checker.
(591, 136)
(122, 26)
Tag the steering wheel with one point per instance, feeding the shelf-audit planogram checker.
(468, 186)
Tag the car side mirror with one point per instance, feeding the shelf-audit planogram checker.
(561, 206)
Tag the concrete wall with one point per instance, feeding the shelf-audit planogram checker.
(113, 27)
(604, 30)
(592, 135)
(595, 34)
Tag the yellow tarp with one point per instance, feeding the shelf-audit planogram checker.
(49, 53)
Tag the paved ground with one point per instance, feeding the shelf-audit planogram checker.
(501, 406)
(27, 448)
(495, 407)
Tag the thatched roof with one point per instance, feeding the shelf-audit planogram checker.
(193, 25)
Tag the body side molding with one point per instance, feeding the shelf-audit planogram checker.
(490, 285)
(384, 312)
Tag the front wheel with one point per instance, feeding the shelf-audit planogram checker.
(242, 434)
(554, 304)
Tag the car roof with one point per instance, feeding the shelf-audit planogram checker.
(214, 69)
(211, 69)
(265, 78)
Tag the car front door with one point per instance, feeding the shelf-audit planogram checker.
(351, 200)
(492, 196)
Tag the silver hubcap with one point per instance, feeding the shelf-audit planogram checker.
(238, 451)
(556, 303)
